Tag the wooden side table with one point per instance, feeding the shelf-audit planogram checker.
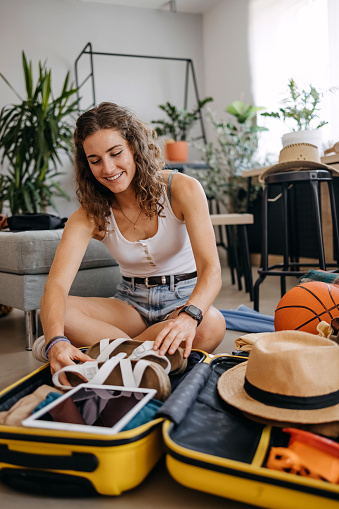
(230, 221)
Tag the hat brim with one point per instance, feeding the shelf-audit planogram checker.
(231, 389)
(299, 165)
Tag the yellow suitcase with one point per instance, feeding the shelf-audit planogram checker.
(213, 448)
(46, 461)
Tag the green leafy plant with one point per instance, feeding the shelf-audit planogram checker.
(234, 151)
(33, 134)
(302, 107)
(179, 122)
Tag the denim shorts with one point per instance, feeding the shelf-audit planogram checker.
(156, 303)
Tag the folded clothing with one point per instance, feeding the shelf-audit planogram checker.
(146, 414)
(25, 406)
(51, 396)
(247, 320)
(245, 342)
(320, 275)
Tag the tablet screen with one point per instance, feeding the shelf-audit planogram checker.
(92, 408)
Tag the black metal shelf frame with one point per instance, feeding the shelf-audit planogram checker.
(88, 50)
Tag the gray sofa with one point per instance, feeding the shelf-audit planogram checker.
(25, 260)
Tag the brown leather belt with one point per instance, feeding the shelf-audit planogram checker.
(159, 280)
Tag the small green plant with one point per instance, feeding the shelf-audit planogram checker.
(33, 134)
(302, 107)
(232, 153)
(179, 122)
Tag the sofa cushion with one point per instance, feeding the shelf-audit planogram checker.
(32, 252)
(24, 291)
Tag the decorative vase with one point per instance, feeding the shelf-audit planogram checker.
(166, 143)
(312, 136)
(177, 151)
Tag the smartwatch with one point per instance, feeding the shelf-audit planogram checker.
(192, 311)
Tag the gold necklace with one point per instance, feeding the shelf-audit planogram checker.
(123, 213)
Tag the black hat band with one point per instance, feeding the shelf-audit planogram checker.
(291, 402)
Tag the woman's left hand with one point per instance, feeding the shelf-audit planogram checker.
(181, 329)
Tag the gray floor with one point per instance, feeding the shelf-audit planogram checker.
(159, 489)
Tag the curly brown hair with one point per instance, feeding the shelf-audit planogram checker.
(94, 197)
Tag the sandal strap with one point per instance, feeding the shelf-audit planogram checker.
(108, 366)
(127, 373)
(139, 370)
(106, 369)
(146, 350)
(103, 343)
(87, 370)
(106, 348)
(130, 377)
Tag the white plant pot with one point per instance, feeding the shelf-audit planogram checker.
(312, 136)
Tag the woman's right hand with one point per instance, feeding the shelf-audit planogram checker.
(64, 354)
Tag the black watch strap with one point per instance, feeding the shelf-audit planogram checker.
(193, 312)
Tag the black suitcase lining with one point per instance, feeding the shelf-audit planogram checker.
(213, 427)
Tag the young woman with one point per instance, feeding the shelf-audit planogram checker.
(156, 224)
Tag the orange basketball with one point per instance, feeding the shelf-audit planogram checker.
(306, 305)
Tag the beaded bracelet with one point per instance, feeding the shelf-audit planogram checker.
(61, 338)
(51, 340)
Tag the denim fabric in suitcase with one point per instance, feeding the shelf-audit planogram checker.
(212, 447)
(68, 463)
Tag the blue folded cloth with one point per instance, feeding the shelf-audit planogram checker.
(146, 414)
(246, 319)
(51, 396)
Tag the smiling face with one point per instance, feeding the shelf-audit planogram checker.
(110, 159)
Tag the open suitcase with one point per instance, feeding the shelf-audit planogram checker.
(47, 462)
(213, 448)
(209, 447)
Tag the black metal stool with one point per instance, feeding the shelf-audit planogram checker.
(236, 237)
(288, 181)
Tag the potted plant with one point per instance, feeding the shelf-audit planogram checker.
(33, 134)
(177, 127)
(233, 152)
(300, 111)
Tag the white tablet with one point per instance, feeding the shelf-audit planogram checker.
(100, 409)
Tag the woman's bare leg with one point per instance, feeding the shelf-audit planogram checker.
(211, 331)
(89, 319)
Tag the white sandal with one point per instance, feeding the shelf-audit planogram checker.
(104, 349)
(118, 371)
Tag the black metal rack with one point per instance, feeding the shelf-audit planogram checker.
(189, 70)
(88, 50)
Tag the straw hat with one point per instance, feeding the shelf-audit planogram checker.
(290, 376)
(300, 156)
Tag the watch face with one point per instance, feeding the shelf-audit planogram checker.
(194, 310)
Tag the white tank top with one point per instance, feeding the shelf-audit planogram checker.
(167, 253)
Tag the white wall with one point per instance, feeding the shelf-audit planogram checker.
(227, 49)
(57, 30)
(333, 40)
(226, 53)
